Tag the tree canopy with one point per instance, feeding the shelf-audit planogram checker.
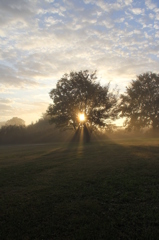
(15, 121)
(140, 103)
(80, 93)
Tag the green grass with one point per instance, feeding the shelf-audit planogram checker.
(99, 190)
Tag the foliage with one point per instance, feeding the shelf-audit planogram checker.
(15, 121)
(2, 124)
(79, 92)
(140, 103)
(39, 132)
(12, 134)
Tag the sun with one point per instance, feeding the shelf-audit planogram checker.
(81, 117)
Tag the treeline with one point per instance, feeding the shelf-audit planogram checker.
(39, 132)
(44, 132)
(79, 93)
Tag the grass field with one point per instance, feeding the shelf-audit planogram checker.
(97, 191)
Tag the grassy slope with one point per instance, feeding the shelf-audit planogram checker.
(104, 190)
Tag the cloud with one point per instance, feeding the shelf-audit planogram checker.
(5, 101)
(21, 108)
(156, 26)
(49, 1)
(5, 109)
(17, 10)
(9, 77)
(157, 16)
(157, 34)
(137, 11)
(150, 5)
(42, 40)
(128, 2)
(151, 16)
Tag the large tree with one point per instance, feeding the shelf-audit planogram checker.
(140, 104)
(80, 93)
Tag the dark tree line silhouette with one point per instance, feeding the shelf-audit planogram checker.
(79, 92)
(40, 132)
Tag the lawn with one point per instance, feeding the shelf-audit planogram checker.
(98, 190)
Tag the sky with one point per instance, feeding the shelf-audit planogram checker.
(41, 40)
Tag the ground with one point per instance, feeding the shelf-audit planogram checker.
(98, 190)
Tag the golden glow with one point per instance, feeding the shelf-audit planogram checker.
(81, 117)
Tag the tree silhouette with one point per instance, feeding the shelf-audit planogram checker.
(15, 121)
(79, 92)
(140, 103)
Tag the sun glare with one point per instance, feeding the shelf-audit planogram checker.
(81, 117)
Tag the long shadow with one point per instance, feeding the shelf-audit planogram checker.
(82, 134)
(91, 190)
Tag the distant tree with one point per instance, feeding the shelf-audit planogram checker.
(39, 132)
(140, 104)
(2, 124)
(15, 121)
(80, 93)
(12, 134)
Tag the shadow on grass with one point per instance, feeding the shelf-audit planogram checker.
(81, 135)
(96, 190)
